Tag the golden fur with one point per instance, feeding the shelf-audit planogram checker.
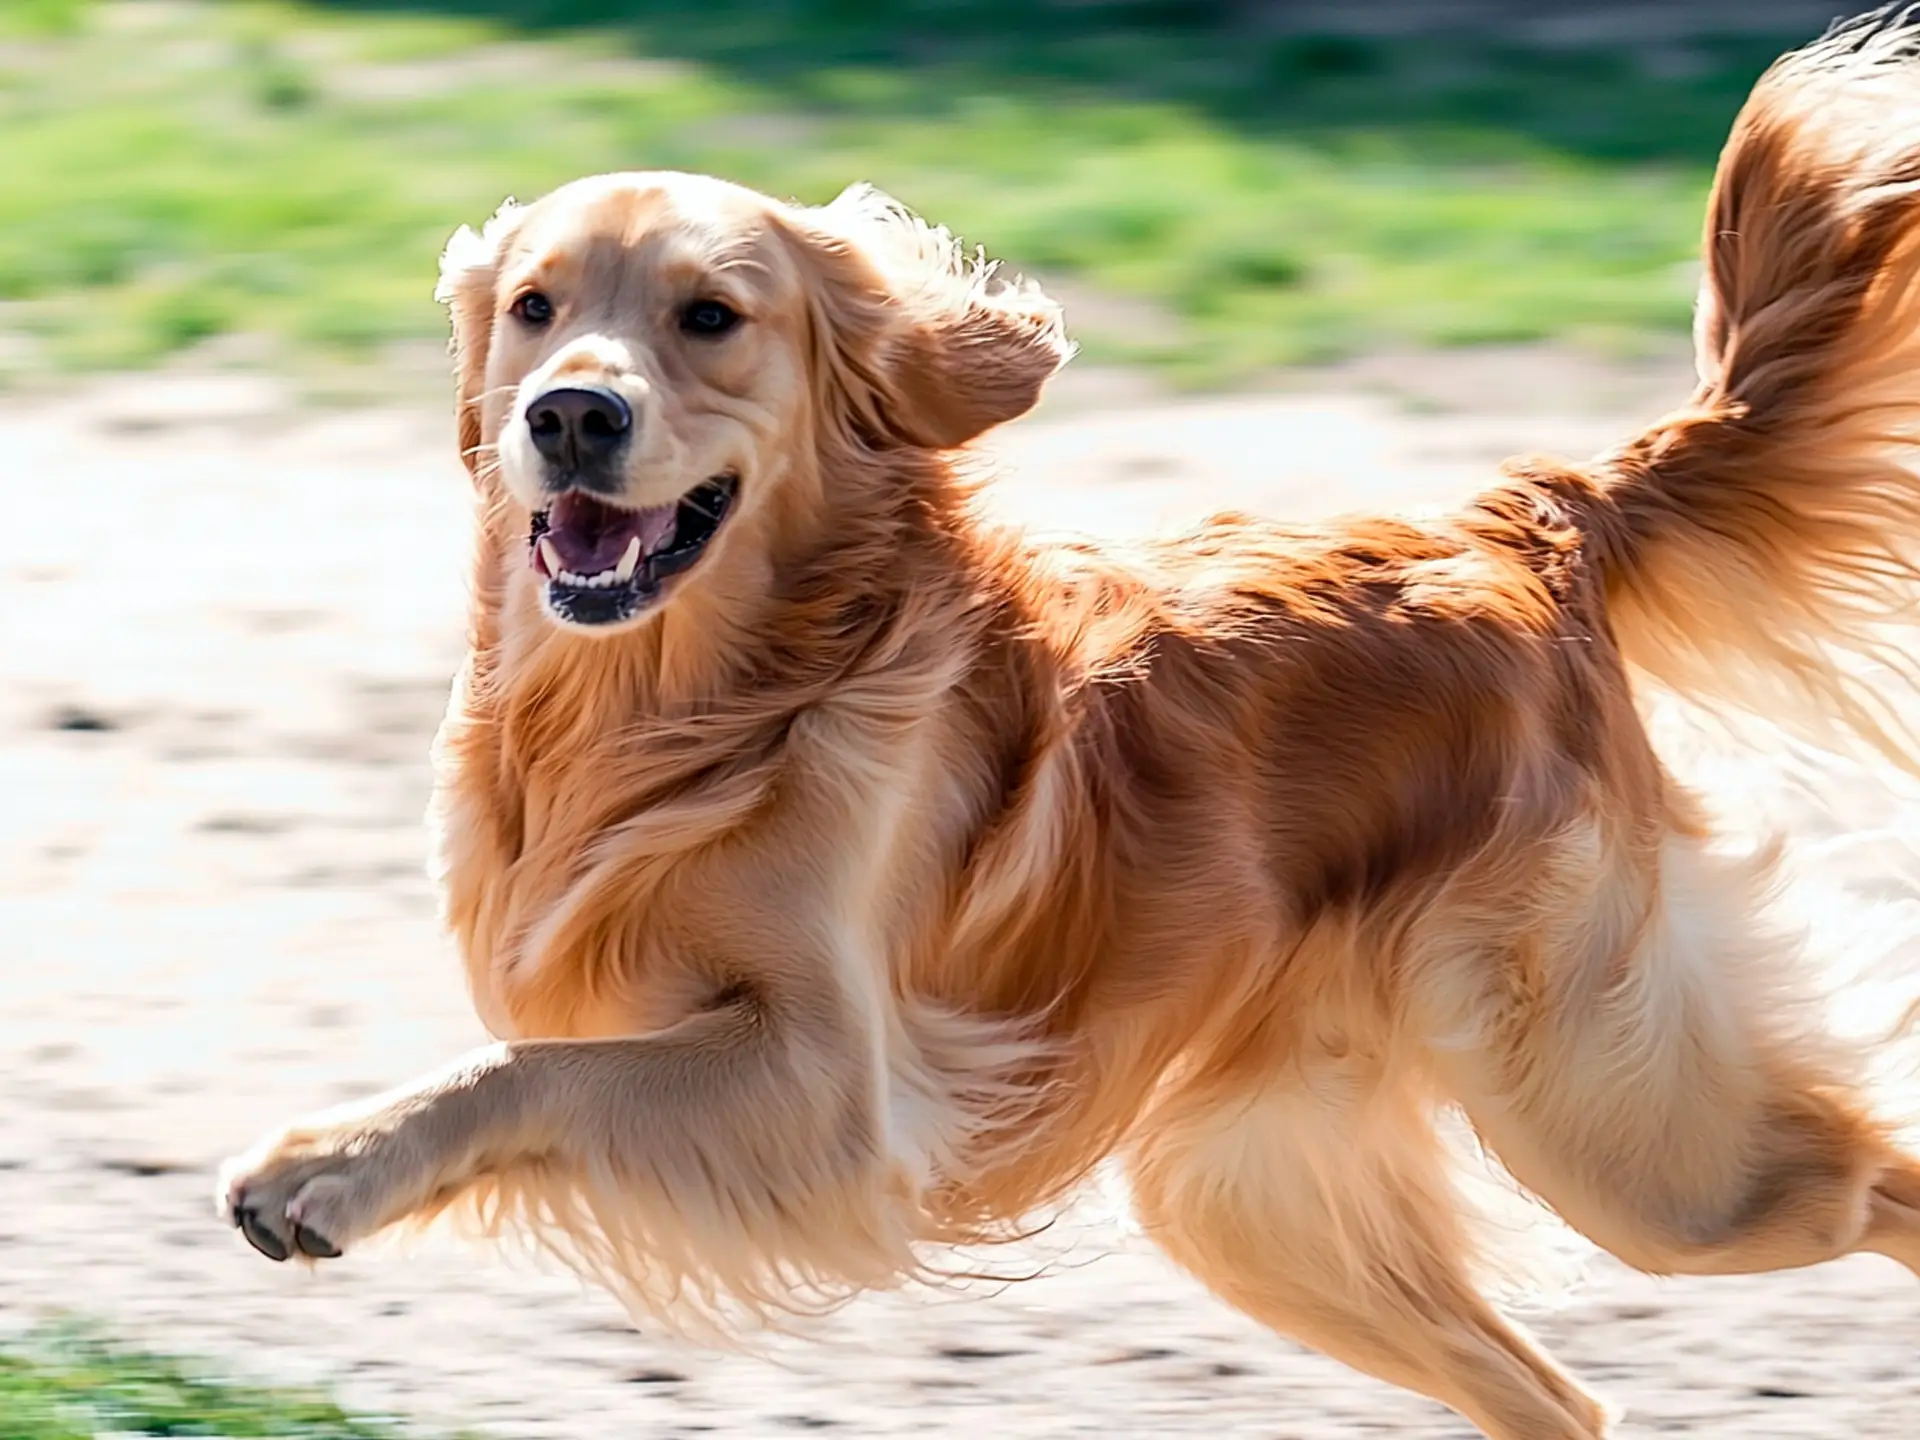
(898, 869)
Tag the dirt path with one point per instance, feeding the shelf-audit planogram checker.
(226, 629)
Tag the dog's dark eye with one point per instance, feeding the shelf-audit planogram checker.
(532, 308)
(708, 317)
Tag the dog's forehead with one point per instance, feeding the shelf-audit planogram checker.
(657, 215)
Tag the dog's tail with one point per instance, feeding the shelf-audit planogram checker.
(1761, 547)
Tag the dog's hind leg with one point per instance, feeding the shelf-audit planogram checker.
(1322, 1207)
(1668, 1084)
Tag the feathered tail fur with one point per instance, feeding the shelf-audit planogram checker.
(1761, 546)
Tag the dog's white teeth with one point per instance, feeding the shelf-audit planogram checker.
(629, 562)
(601, 581)
(618, 574)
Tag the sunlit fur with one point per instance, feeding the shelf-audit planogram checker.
(901, 869)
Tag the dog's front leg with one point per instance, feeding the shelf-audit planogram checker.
(748, 1108)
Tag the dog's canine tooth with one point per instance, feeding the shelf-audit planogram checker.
(551, 554)
(629, 562)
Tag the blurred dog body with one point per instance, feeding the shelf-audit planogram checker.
(847, 876)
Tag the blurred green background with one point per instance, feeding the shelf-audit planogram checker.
(1215, 188)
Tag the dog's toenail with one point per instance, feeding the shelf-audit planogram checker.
(258, 1236)
(309, 1242)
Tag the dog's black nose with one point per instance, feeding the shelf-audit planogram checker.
(580, 423)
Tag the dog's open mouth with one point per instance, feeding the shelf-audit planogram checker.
(603, 564)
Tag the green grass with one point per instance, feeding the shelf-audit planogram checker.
(67, 1388)
(174, 170)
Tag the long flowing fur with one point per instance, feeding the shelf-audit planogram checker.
(904, 870)
(1762, 545)
(1744, 548)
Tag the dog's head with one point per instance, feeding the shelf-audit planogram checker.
(668, 372)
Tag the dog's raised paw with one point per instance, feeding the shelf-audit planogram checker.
(309, 1194)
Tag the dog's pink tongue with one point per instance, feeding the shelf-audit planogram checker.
(591, 537)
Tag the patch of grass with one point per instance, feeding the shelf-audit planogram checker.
(176, 169)
(42, 17)
(71, 1388)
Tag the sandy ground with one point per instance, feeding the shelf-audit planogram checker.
(226, 628)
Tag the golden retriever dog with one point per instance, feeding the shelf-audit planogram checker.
(847, 876)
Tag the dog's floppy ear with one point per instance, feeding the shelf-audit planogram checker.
(469, 272)
(920, 345)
